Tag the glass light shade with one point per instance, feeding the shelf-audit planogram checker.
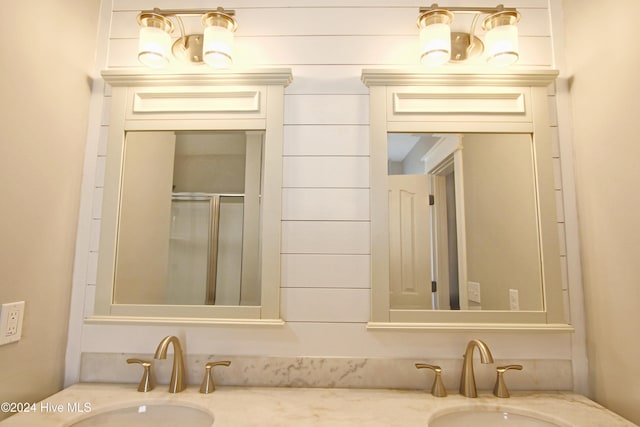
(154, 47)
(435, 36)
(154, 41)
(501, 39)
(502, 45)
(217, 48)
(435, 44)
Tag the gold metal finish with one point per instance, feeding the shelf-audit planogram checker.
(467, 379)
(485, 10)
(208, 385)
(188, 47)
(503, 17)
(178, 377)
(212, 273)
(500, 389)
(467, 45)
(438, 388)
(148, 381)
(220, 18)
(434, 16)
(155, 20)
(462, 48)
(189, 12)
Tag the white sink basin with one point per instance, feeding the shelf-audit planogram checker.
(488, 418)
(156, 415)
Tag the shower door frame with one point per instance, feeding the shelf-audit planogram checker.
(214, 229)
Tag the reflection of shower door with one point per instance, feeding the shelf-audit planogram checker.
(205, 250)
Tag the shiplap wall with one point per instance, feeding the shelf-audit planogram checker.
(325, 288)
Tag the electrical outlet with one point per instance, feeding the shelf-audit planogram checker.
(11, 316)
(514, 299)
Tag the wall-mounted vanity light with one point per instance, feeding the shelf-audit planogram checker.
(439, 45)
(214, 47)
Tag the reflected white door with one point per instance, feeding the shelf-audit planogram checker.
(409, 242)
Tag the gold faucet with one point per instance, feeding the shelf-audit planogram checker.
(467, 380)
(178, 380)
(208, 384)
(500, 389)
(148, 381)
(438, 389)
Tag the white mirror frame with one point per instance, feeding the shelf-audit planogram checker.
(251, 100)
(460, 101)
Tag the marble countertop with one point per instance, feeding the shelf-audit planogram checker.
(300, 407)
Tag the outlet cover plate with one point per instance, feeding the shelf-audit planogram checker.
(514, 300)
(473, 292)
(11, 316)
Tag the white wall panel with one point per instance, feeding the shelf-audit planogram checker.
(560, 205)
(102, 140)
(326, 79)
(325, 305)
(326, 271)
(100, 169)
(555, 143)
(106, 108)
(562, 241)
(326, 140)
(96, 211)
(326, 109)
(89, 297)
(309, 50)
(92, 268)
(325, 204)
(135, 5)
(565, 273)
(557, 174)
(94, 240)
(336, 172)
(553, 110)
(325, 237)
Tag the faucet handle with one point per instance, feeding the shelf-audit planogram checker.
(438, 388)
(500, 389)
(208, 385)
(148, 381)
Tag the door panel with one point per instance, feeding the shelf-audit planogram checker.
(409, 242)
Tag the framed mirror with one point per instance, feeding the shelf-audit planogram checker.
(463, 216)
(466, 204)
(189, 218)
(190, 229)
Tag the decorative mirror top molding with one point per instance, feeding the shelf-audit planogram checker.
(191, 210)
(142, 77)
(457, 77)
(464, 229)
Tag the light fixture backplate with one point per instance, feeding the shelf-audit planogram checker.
(188, 49)
(460, 51)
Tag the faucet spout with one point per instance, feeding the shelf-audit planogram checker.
(467, 380)
(178, 378)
